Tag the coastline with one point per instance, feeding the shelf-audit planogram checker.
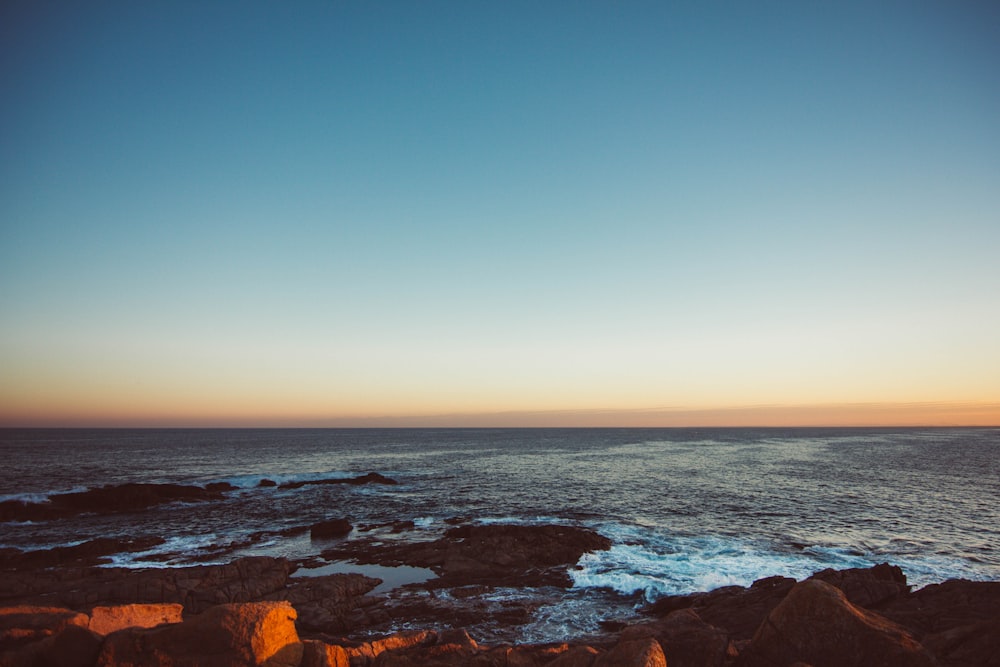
(838, 617)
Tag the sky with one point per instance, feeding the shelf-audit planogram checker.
(347, 213)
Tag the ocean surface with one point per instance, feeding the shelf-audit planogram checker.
(688, 509)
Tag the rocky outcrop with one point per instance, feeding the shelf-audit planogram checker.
(196, 588)
(500, 555)
(369, 478)
(330, 603)
(686, 639)
(261, 633)
(105, 499)
(867, 587)
(817, 625)
(91, 552)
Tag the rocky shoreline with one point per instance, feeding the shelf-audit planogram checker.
(62, 608)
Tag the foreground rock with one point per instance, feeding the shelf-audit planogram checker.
(815, 624)
(260, 633)
(105, 499)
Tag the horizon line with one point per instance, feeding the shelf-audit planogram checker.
(914, 414)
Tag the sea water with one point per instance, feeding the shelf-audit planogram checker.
(687, 509)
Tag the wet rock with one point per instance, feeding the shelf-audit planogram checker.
(267, 483)
(369, 478)
(331, 529)
(105, 620)
(105, 499)
(260, 633)
(972, 645)
(816, 624)
(91, 552)
(508, 555)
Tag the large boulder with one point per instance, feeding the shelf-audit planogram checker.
(817, 625)
(232, 635)
(320, 654)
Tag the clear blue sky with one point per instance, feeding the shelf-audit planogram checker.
(263, 212)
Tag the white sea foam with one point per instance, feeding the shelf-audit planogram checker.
(181, 545)
(656, 563)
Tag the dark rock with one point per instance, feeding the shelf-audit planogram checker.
(737, 610)
(509, 555)
(73, 646)
(816, 624)
(220, 487)
(370, 478)
(686, 640)
(197, 587)
(267, 483)
(331, 529)
(867, 587)
(973, 645)
(941, 607)
(327, 603)
(26, 624)
(88, 553)
(105, 499)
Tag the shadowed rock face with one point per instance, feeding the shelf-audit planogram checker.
(815, 624)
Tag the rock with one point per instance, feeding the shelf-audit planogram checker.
(737, 610)
(326, 603)
(941, 607)
(267, 483)
(643, 652)
(232, 635)
(500, 554)
(91, 552)
(817, 625)
(576, 656)
(867, 587)
(220, 487)
(196, 588)
(105, 620)
(46, 636)
(320, 654)
(26, 624)
(370, 478)
(973, 645)
(105, 499)
(330, 529)
(686, 640)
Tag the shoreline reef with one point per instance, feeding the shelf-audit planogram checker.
(65, 609)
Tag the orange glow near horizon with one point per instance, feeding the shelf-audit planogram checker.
(929, 414)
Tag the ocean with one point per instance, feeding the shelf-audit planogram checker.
(687, 509)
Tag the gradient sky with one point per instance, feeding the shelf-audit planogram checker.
(345, 212)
